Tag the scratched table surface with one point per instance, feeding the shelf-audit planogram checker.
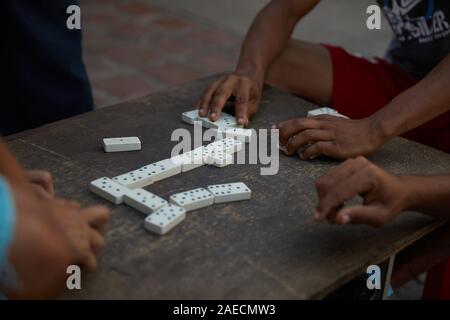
(266, 248)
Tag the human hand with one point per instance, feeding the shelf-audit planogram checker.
(246, 89)
(55, 232)
(83, 228)
(42, 182)
(385, 195)
(331, 136)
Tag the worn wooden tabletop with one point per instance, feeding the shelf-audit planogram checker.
(268, 247)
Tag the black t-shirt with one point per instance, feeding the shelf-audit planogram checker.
(422, 33)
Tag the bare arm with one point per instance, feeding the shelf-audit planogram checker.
(428, 99)
(344, 138)
(430, 195)
(269, 34)
(385, 195)
(48, 232)
(265, 41)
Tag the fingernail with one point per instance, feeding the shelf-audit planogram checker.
(213, 114)
(241, 121)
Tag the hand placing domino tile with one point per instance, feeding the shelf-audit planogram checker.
(230, 192)
(109, 190)
(165, 219)
(225, 121)
(121, 144)
(144, 201)
(193, 199)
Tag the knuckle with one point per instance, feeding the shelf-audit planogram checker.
(307, 135)
(298, 122)
(221, 91)
(320, 146)
(361, 160)
(241, 99)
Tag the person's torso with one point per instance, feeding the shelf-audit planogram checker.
(422, 33)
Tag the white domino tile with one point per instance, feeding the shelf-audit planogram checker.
(135, 179)
(240, 133)
(325, 111)
(208, 123)
(190, 116)
(190, 160)
(230, 192)
(193, 199)
(165, 219)
(121, 144)
(144, 201)
(108, 189)
(162, 169)
(225, 121)
(219, 158)
(229, 145)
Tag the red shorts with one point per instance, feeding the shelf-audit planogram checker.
(361, 86)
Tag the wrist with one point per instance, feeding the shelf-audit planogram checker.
(252, 71)
(381, 129)
(414, 192)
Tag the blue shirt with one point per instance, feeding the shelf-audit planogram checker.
(422, 34)
(7, 218)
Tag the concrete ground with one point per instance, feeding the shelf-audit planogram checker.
(135, 47)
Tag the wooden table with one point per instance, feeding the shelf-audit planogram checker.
(268, 247)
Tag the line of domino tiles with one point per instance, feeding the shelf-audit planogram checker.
(163, 216)
(218, 153)
(128, 187)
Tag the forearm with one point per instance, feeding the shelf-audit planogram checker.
(269, 35)
(430, 195)
(421, 103)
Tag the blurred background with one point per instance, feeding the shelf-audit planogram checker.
(136, 47)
